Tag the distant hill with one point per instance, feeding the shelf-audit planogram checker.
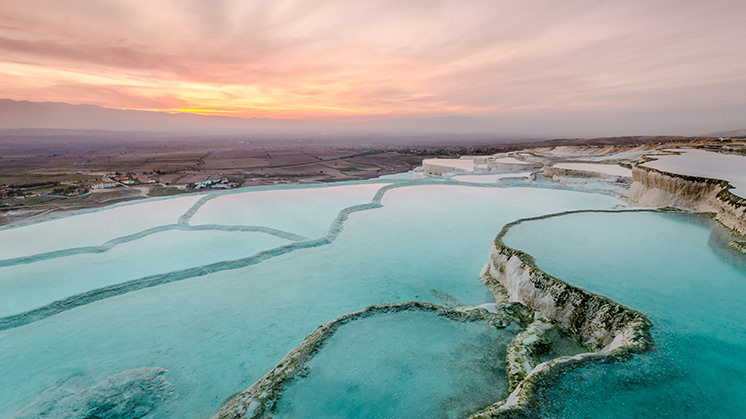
(734, 133)
(526, 125)
(56, 115)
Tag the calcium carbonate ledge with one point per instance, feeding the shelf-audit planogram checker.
(56, 216)
(77, 300)
(186, 216)
(68, 303)
(183, 223)
(550, 171)
(38, 257)
(335, 228)
(653, 187)
(260, 398)
(614, 331)
(524, 353)
(184, 220)
(390, 184)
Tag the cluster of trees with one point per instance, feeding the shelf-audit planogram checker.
(68, 190)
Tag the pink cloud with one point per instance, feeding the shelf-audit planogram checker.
(376, 57)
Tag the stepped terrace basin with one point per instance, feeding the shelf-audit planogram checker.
(400, 360)
(676, 268)
(403, 365)
(170, 307)
(708, 164)
(212, 307)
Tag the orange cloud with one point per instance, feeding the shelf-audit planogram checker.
(336, 59)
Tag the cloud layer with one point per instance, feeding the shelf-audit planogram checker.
(362, 59)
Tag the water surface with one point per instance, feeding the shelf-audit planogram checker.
(217, 333)
(407, 364)
(667, 266)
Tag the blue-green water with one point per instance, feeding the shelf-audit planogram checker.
(221, 327)
(668, 267)
(27, 286)
(408, 364)
(304, 211)
(91, 228)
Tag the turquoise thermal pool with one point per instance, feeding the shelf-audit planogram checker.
(27, 286)
(403, 364)
(673, 268)
(92, 228)
(306, 211)
(186, 301)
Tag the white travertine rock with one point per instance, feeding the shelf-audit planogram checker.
(441, 166)
(589, 169)
(658, 189)
(703, 163)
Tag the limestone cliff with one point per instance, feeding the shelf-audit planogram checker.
(613, 329)
(652, 187)
(551, 171)
(602, 322)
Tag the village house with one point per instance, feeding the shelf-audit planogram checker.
(105, 185)
(143, 179)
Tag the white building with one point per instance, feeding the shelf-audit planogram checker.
(105, 185)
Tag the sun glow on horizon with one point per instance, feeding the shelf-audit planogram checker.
(342, 60)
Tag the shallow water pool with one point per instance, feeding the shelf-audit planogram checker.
(213, 332)
(406, 364)
(668, 266)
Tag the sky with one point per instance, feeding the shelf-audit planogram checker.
(351, 60)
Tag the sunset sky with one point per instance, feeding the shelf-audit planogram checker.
(367, 59)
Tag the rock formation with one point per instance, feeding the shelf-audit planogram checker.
(652, 187)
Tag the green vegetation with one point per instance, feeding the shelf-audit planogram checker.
(165, 191)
